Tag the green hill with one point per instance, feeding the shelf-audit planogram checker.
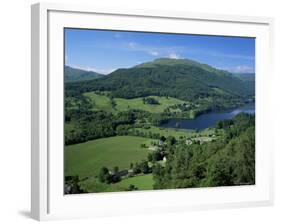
(177, 62)
(245, 76)
(180, 78)
(248, 79)
(74, 74)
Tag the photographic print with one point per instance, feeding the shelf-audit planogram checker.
(152, 111)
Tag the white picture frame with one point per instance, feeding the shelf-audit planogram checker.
(48, 201)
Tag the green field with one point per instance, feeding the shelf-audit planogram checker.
(102, 102)
(137, 103)
(86, 159)
(142, 182)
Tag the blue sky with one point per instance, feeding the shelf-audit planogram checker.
(105, 51)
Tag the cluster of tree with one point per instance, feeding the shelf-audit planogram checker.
(155, 156)
(158, 119)
(71, 185)
(141, 167)
(84, 123)
(129, 130)
(181, 106)
(114, 176)
(161, 151)
(223, 124)
(132, 188)
(150, 100)
(105, 176)
(225, 162)
(88, 125)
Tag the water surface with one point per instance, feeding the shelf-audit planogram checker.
(208, 119)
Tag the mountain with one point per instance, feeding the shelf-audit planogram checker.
(181, 78)
(180, 62)
(245, 76)
(248, 79)
(74, 74)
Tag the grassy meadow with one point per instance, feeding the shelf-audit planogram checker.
(141, 182)
(86, 159)
(103, 102)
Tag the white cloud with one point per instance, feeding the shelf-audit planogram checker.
(105, 71)
(175, 51)
(241, 69)
(174, 56)
(98, 70)
(156, 51)
(132, 45)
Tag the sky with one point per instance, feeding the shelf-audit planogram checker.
(104, 51)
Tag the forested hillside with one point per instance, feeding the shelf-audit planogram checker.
(74, 74)
(179, 78)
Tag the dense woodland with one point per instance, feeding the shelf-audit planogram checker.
(226, 162)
